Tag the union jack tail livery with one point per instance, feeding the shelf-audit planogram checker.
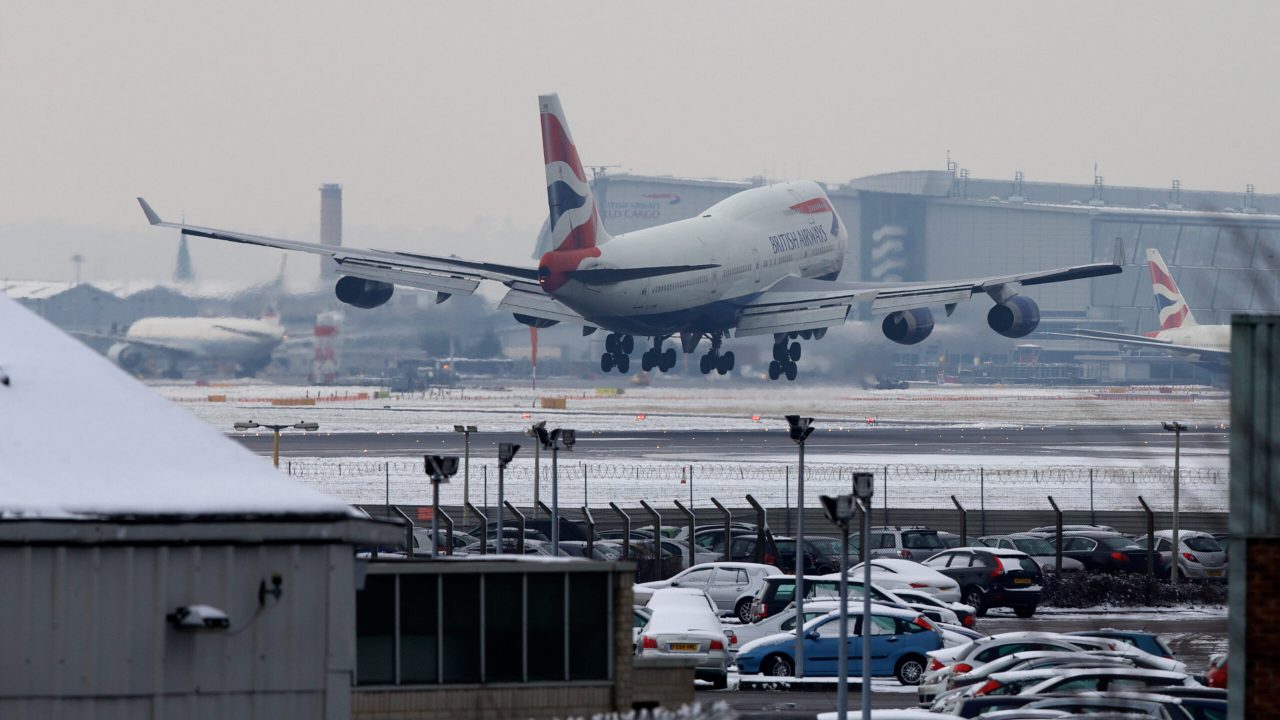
(1173, 309)
(575, 222)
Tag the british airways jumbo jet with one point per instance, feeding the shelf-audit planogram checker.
(761, 262)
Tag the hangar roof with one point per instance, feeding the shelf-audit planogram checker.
(82, 440)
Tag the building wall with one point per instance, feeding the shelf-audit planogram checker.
(85, 635)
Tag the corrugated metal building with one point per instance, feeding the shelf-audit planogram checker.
(154, 567)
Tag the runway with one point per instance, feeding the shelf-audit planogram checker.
(1067, 444)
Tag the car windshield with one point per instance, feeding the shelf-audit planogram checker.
(922, 541)
(1033, 546)
(1119, 543)
(1202, 543)
(826, 546)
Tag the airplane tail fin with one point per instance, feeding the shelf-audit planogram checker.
(1172, 307)
(575, 222)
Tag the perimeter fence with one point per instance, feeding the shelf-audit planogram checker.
(1075, 488)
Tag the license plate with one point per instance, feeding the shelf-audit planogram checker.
(1213, 573)
(1022, 581)
(684, 647)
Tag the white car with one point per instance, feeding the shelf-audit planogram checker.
(894, 574)
(1106, 680)
(1200, 555)
(684, 625)
(731, 585)
(950, 613)
(945, 663)
(785, 622)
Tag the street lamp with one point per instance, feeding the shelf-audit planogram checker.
(506, 451)
(555, 441)
(275, 441)
(801, 428)
(839, 510)
(1177, 429)
(439, 468)
(466, 431)
(864, 487)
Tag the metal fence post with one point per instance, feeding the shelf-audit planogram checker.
(982, 497)
(1057, 551)
(964, 522)
(728, 522)
(762, 525)
(786, 498)
(519, 516)
(484, 526)
(591, 532)
(659, 572)
(1093, 520)
(693, 556)
(448, 531)
(1152, 544)
(408, 532)
(626, 531)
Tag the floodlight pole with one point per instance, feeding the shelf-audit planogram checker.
(866, 615)
(555, 499)
(275, 431)
(435, 511)
(800, 428)
(1176, 428)
(466, 431)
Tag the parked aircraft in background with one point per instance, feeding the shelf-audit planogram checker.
(761, 262)
(1179, 334)
(166, 343)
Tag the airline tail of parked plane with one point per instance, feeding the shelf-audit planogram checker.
(1173, 309)
(575, 221)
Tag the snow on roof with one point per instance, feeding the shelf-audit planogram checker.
(80, 438)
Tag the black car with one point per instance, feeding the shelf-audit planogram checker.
(712, 539)
(992, 577)
(747, 548)
(821, 555)
(1106, 552)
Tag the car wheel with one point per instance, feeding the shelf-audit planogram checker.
(973, 597)
(720, 682)
(1025, 611)
(778, 666)
(910, 670)
(743, 611)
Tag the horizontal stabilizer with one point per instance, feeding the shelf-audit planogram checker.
(606, 276)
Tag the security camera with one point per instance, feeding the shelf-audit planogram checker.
(198, 617)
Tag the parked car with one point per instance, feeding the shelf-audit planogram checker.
(1106, 679)
(1053, 529)
(1145, 641)
(908, 543)
(895, 574)
(900, 640)
(821, 554)
(952, 540)
(462, 542)
(935, 609)
(713, 540)
(647, 566)
(992, 577)
(670, 549)
(944, 664)
(1040, 550)
(1216, 675)
(600, 549)
(639, 618)
(733, 586)
(684, 626)
(569, 529)
(783, 622)
(747, 548)
(734, 528)
(1106, 552)
(1200, 556)
(1141, 703)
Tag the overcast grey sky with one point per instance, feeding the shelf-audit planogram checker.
(235, 112)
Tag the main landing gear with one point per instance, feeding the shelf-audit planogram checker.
(715, 360)
(617, 353)
(786, 353)
(656, 357)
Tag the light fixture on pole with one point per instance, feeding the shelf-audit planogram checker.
(466, 431)
(275, 429)
(800, 429)
(864, 487)
(555, 441)
(506, 451)
(439, 468)
(1177, 429)
(839, 511)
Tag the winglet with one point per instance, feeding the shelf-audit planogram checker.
(152, 217)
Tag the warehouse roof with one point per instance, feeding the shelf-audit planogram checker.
(80, 439)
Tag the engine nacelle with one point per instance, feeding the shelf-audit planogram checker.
(1014, 318)
(363, 293)
(908, 327)
(125, 355)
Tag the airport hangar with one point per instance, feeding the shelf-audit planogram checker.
(1222, 247)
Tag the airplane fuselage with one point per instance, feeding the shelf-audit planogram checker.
(754, 239)
(1209, 337)
(228, 339)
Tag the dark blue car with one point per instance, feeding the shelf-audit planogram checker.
(1145, 641)
(899, 641)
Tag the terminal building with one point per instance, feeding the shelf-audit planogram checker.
(1223, 249)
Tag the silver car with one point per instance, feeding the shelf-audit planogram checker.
(683, 624)
(1040, 550)
(732, 585)
(1200, 556)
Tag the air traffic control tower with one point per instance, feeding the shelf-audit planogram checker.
(330, 224)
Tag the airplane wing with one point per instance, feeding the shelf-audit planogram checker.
(443, 275)
(793, 304)
(533, 306)
(1144, 341)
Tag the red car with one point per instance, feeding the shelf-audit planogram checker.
(1216, 675)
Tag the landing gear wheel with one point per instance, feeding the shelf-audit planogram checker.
(791, 369)
(728, 361)
(705, 364)
(794, 352)
(611, 344)
(775, 370)
(606, 362)
(624, 363)
(646, 361)
(628, 344)
(780, 352)
(668, 359)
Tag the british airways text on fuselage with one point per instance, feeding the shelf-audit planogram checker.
(804, 237)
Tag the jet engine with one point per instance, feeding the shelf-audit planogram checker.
(1014, 318)
(908, 327)
(363, 293)
(125, 355)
